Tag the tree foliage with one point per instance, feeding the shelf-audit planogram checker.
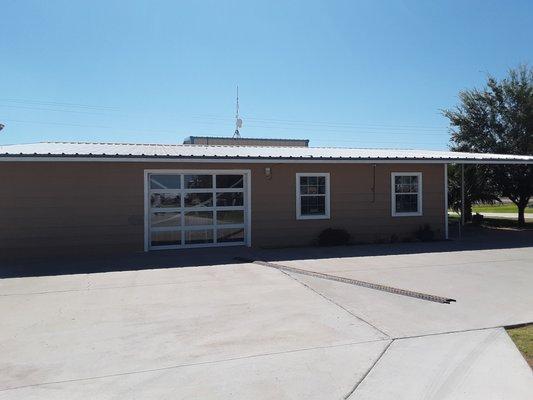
(499, 119)
(478, 188)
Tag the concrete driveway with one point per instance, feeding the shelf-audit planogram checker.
(244, 331)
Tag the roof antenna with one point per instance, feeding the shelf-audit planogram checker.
(238, 121)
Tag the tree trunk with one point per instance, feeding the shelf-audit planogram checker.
(468, 210)
(521, 216)
(521, 204)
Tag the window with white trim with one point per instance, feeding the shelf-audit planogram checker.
(406, 191)
(312, 195)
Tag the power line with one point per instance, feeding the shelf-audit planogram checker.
(51, 109)
(332, 131)
(55, 103)
(303, 123)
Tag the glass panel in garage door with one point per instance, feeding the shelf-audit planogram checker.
(163, 219)
(199, 236)
(194, 218)
(230, 181)
(230, 217)
(230, 199)
(230, 235)
(198, 181)
(165, 181)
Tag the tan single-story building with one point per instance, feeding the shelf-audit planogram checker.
(97, 198)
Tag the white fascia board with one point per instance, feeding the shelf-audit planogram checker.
(264, 160)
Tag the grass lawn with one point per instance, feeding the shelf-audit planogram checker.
(499, 208)
(523, 338)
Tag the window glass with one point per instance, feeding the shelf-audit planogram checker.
(313, 205)
(406, 184)
(406, 203)
(198, 218)
(166, 238)
(230, 235)
(199, 200)
(197, 237)
(166, 219)
(230, 199)
(165, 200)
(312, 185)
(230, 217)
(165, 181)
(229, 181)
(198, 181)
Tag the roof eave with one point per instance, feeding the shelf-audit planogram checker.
(270, 159)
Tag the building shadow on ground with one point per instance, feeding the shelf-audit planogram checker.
(471, 238)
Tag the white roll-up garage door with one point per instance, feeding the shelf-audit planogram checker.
(200, 208)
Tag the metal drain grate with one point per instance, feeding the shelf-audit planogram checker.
(369, 285)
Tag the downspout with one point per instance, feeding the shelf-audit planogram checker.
(462, 195)
(446, 235)
(373, 183)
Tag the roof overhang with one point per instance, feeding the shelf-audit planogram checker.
(257, 160)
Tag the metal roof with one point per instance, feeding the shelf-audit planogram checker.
(87, 151)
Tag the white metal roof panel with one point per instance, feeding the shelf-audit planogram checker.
(89, 150)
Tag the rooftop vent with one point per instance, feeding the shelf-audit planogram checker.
(227, 141)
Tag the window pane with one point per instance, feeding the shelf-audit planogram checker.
(166, 219)
(165, 181)
(230, 199)
(198, 200)
(406, 184)
(165, 238)
(198, 218)
(313, 205)
(198, 181)
(230, 217)
(406, 203)
(195, 237)
(312, 185)
(165, 200)
(230, 235)
(229, 181)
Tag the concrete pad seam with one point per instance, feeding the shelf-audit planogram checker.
(424, 266)
(194, 364)
(335, 303)
(452, 332)
(351, 392)
(89, 288)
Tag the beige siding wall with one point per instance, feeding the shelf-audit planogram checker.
(94, 208)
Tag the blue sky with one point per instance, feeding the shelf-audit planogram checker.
(341, 73)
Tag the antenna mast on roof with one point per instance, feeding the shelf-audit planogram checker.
(238, 121)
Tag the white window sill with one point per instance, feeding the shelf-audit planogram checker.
(312, 217)
(417, 214)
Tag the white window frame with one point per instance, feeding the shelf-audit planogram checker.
(419, 193)
(298, 196)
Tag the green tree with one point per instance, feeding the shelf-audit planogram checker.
(478, 188)
(499, 119)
